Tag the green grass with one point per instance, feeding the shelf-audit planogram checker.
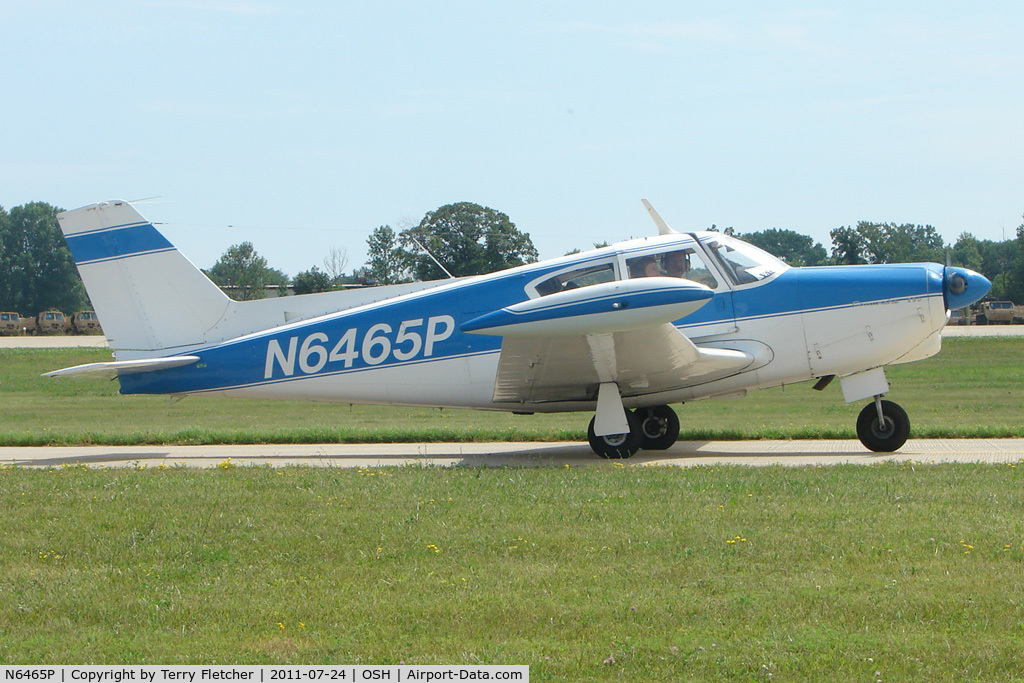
(607, 572)
(973, 388)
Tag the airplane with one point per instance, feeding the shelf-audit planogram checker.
(623, 331)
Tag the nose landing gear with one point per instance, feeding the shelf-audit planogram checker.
(883, 426)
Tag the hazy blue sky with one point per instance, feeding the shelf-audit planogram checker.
(307, 124)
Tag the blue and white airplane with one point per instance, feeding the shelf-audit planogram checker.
(623, 331)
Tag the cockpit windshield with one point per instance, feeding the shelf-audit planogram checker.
(743, 263)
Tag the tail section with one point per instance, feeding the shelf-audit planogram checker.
(149, 297)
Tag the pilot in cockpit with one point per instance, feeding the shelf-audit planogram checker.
(676, 263)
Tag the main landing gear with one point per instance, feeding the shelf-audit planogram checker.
(883, 426)
(651, 429)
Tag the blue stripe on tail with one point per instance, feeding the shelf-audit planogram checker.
(117, 243)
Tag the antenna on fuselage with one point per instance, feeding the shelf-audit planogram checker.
(427, 252)
(663, 227)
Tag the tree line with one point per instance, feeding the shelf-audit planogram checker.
(1001, 262)
(37, 271)
(456, 239)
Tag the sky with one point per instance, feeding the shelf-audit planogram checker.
(301, 126)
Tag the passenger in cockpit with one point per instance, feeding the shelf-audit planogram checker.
(645, 267)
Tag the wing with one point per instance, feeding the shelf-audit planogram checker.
(563, 346)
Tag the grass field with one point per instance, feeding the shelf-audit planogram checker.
(973, 388)
(608, 572)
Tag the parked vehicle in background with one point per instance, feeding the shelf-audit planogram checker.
(85, 322)
(957, 317)
(995, 313)
(51, 322)
(11, 324)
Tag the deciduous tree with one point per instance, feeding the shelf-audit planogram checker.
(468, 239)
(789, 245)
(311, 281)
(848, 246)
(37, 271)
(334, 265)
(887, 243)
(388, 262)
(244, 274)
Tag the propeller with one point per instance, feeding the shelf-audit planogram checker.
(957, 283)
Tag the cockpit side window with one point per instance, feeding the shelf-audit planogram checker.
(683, 262)
(585, 276)
(743, 263)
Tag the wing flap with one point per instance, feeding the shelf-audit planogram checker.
(570, 368)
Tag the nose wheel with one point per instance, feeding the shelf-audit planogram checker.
(883, 426)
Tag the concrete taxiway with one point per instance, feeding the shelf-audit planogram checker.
(683, 454)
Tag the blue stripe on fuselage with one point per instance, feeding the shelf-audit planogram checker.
(244, 362)
(830, 287)
(115, 243)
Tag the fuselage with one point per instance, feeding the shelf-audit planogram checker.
(795, 323)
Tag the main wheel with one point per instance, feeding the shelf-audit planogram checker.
(617, 446)
(887, 436)
(659, 426)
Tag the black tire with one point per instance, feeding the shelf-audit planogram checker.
(884, 438)
(659, 426)
(617, 446)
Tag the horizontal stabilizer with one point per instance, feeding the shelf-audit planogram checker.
(124, 367)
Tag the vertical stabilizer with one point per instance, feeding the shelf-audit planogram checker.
(148, 296)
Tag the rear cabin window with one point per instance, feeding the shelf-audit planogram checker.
(574, 279)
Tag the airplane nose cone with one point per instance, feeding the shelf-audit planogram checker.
(962, 287)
